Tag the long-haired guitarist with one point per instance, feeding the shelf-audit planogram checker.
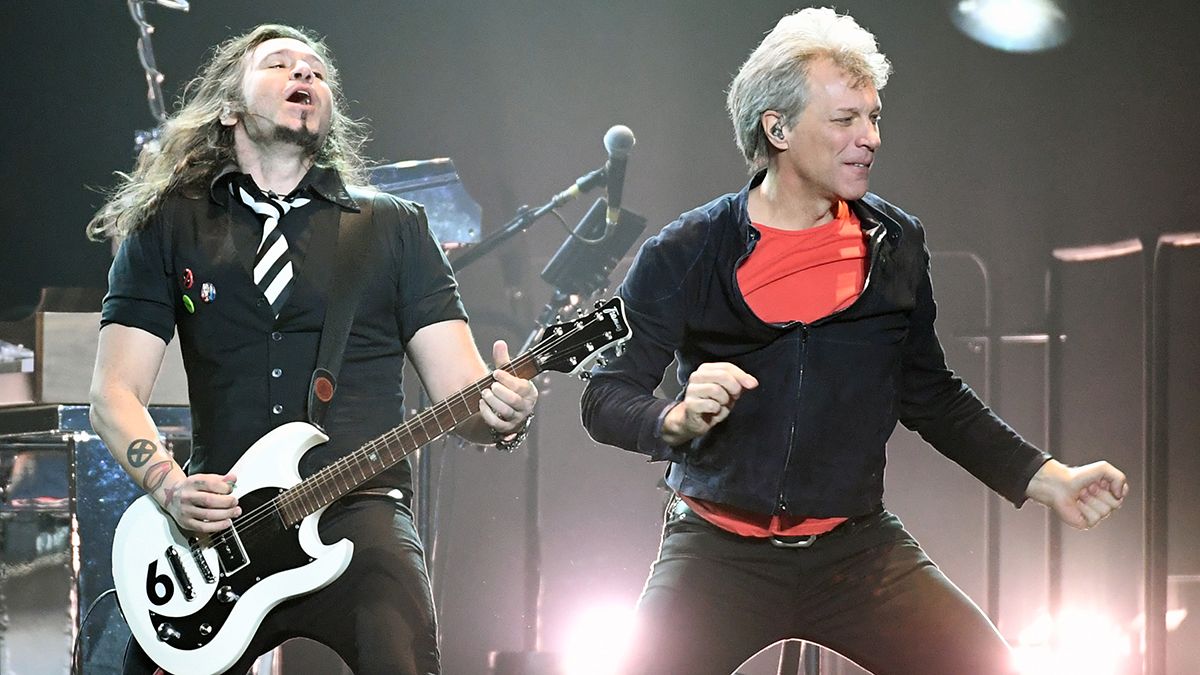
(229, 236)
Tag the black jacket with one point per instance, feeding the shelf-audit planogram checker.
(810, 439)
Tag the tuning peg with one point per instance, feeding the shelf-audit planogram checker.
(598, 304)
(585, 375)
(602, 361)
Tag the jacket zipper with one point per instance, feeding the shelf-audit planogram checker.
(876, 241)
(781, 503)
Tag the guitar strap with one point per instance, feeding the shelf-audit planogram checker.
(348, 278)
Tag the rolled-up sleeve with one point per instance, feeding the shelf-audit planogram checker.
(140, 284)
(427, 289)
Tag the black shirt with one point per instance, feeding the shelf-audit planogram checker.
(248, 371)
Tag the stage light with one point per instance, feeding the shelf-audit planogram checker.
(598, 637)
(1076, 643)
(1013, 25)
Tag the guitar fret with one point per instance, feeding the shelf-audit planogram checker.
(464, 405)
(420, 420)
(412, 439)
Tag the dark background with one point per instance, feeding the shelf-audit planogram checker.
(1005, 155)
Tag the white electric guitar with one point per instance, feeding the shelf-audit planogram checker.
(194, 602)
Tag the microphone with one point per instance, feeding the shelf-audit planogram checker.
(618, 141)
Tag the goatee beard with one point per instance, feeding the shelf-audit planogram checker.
(308, 141)
(264, 131)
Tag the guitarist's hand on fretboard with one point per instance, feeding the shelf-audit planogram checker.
(509, 402)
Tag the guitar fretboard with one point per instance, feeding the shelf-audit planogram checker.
(380, 454)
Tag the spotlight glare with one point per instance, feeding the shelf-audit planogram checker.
(1013, 25)
(1077, 643)
(597, 639)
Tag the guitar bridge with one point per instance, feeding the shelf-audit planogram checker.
(181, 575)
(201, 562)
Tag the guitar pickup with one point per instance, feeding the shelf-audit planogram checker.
(230, 551)
(181, 575)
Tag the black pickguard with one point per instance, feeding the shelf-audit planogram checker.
(270, 547)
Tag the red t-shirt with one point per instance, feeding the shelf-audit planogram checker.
(795, 275)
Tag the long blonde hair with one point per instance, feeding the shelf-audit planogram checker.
(194, 145)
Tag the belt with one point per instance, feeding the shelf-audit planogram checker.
(680, 509)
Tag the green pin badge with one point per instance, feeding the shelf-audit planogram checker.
(189, 305)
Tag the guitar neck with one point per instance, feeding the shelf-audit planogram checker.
(376, 456)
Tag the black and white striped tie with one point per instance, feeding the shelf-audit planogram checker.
(272, 263)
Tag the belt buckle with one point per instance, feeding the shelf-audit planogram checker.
(803, 541)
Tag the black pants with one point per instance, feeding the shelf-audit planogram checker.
(865, 590)
(378, 615)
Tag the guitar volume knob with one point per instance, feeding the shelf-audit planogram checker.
(167, 632)
(227, 595)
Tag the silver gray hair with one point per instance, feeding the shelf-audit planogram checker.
(775, 77)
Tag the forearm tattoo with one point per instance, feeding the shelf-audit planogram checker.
(156, 475)
(140, 451)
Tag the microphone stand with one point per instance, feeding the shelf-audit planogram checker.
(525, 217)
(577, 271)
(154, 78)
(529, 661)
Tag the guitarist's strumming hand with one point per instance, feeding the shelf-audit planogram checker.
(202, 503)
(508, 403)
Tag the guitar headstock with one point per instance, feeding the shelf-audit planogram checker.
(573, 346)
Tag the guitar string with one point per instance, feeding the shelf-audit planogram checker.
(337, 472)
(275, 506)
(331, 472)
